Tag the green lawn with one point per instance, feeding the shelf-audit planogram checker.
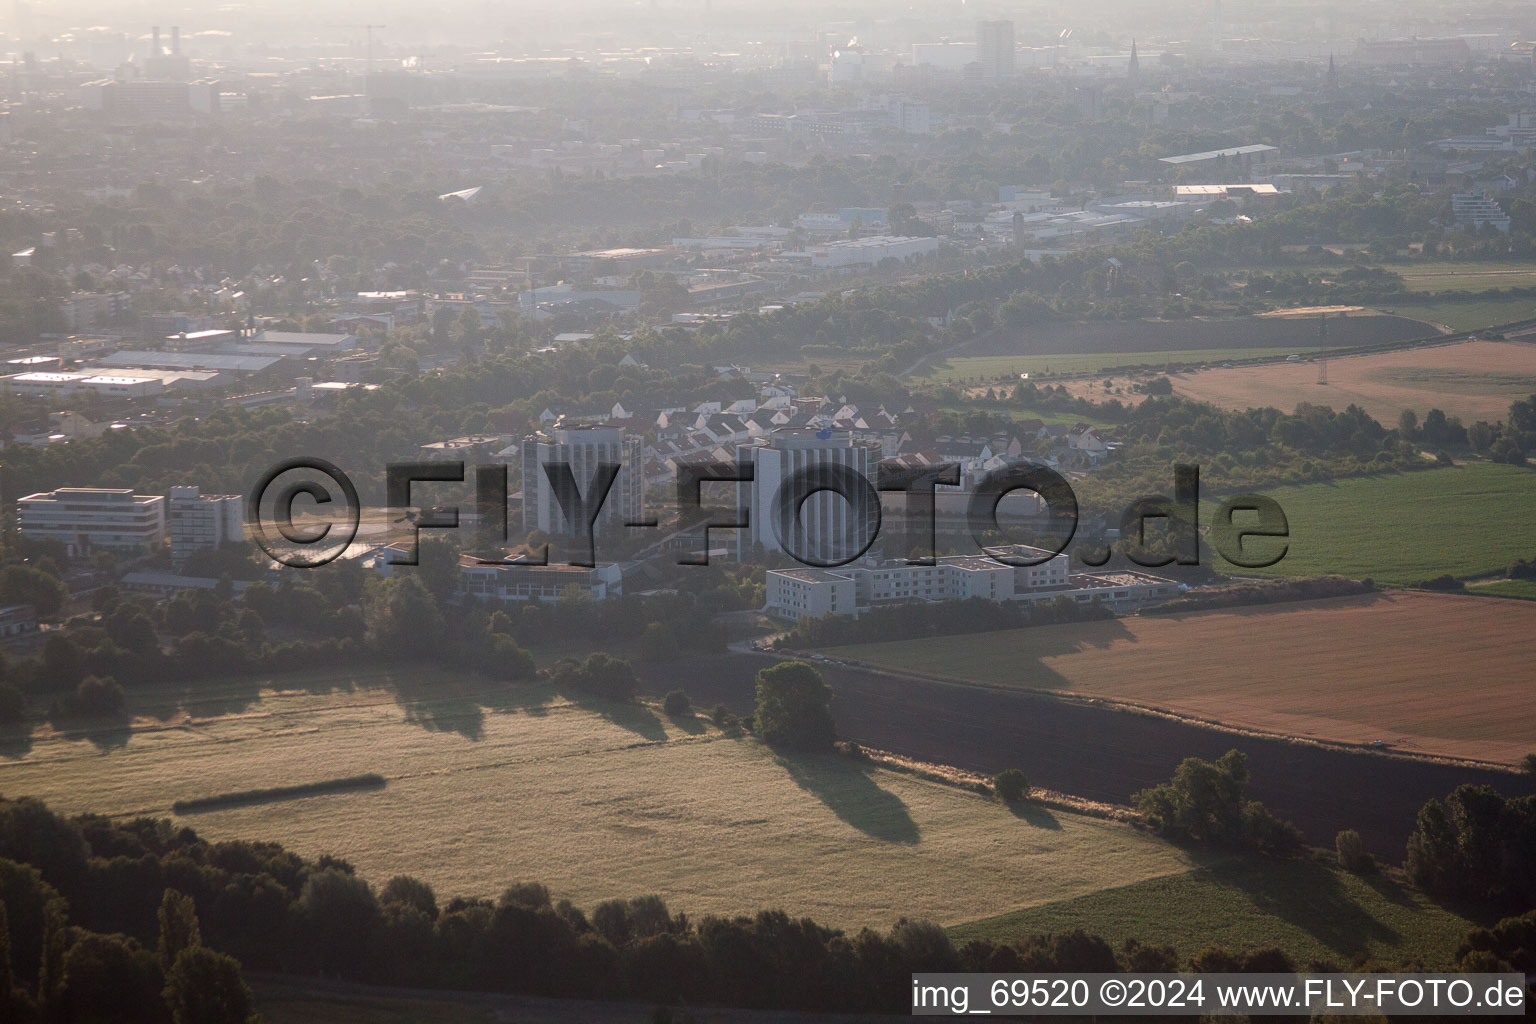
(960, 368)
(1406, 528)
(1523, 589)
(1309, 909)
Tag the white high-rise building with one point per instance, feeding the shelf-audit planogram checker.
(584, 447)
(201, 522)
(826, 527)
(994, 48)
(86, 518)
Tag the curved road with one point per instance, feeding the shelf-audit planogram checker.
(1102, 753)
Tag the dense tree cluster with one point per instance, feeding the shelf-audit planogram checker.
(1476, 845)
(156, 908)
(1203, 803)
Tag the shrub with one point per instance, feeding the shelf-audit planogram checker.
(676, 704)
(599, 676)
(793, 707)
(1011, 785)
(1353, 856)
(1268, 834)
(1529, 764)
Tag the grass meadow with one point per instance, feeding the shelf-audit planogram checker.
(487, 787)
(1310, 909)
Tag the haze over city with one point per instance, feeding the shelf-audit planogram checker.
(701, 511)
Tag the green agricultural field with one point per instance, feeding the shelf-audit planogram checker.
(963, 368)
(1443, 276)
(1522, 589)
(1406, 528)
(485, 787)
(1466, 316)
(1309, 909)
(1043, 415)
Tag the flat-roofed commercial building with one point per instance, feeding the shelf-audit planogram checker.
(505, 582)
(201, 522)
(114, 384)
(854, 588)
(87, 518)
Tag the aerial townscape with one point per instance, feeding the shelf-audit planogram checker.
(689, 511)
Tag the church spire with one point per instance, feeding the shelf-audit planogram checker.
(1133, 69)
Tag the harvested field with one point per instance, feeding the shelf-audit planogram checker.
(1092, 749)
(1435, 674)
(1476, 380)
(491, 786)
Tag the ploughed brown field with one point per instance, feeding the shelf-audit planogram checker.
(1448, 675)
(1476, 380)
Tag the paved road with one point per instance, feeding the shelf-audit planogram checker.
(1103, 753)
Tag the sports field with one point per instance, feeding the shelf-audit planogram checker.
(1406, 528)
(1476, 380)
(1429, 673)
(487, 787)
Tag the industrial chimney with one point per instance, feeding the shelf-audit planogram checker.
(175, 40)
(154, 47)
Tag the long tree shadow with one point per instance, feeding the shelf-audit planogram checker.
(1035, 814)
(850, 792)
(16, 740)
(437, 708)
(104, 734)
(239, 692)
(1309, 896)
(626, 714)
